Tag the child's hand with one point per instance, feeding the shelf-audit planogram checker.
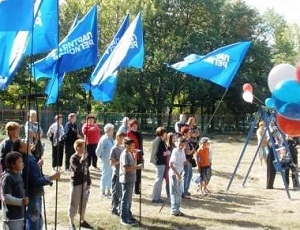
(25, 201)
(140, 166)
(55, 176)
(178, 177)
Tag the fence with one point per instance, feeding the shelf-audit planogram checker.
(148, 122)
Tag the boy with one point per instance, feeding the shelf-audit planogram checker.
(204, 163)
(13, 192)
(177, 162)
(115, 163)
(127, 180)
(34, 186)
(80, 185)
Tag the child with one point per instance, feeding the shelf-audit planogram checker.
(204, 163)
(80, 185)
(34, 186)
(177, 161)
(115, 163)
(14, 198)
(127, 178)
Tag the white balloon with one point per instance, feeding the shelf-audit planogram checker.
(248, 96)
(280, 73)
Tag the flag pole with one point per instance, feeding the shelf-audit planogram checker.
(57, 110)
(212, 116)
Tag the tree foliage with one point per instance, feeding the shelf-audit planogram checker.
(174, 29)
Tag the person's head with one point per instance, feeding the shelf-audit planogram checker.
(261, 124)
(58, 118)
(79, 146)
(191, 121)
(181, 142)
(72, 117)
(90, 119)
(133, 125)
(12, 129)
(129, 144)
(185, 132)
(21, 146)
(109, 129)
(32, 115)
(204, 142)
(161, 132)
(120, 137)
(171, 139)
(14, 161)
(125, 121)
(182, 117)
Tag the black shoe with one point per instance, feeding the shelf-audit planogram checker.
(115, 213)
(160, 201)
(85, 224)
(137, 192)
(133, 220)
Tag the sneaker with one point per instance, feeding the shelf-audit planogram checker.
(108, 193)
(188, 194)
(71, 227)
(125, 223)
(177, 214)
(115, 213)
(85, 224)
(160, 201)
(133, 220)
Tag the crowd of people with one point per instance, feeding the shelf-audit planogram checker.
(173, 154)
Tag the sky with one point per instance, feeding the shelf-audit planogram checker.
(288, 8)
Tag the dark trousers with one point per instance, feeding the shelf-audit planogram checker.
(92, 158)
(287, 172)
(271, 172)
(69, 151)
(57, 154)
(137, 185)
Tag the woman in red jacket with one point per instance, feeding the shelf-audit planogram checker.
(91, 133)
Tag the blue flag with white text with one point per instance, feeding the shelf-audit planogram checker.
(219, 66)
(105, 91)
(16, 15)
(45, 30)
(129, 52)
(76, 51)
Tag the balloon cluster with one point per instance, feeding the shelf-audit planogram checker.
(284, 84)
(248, 93)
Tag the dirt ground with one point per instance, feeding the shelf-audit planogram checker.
(249, 207)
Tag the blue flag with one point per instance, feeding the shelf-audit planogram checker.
(45, 30)
(12, 48)
(53, 88)
(219, 66)
(16, 15)
(129, 52)
(76, 51)
(104, 92)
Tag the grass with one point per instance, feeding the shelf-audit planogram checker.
(251, 207)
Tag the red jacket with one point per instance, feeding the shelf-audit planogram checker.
(92, 133)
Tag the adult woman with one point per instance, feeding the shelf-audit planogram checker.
(195, 133)
(71, 135)
(103, 149)
(56, 134)
(91, 132)
(159, 153)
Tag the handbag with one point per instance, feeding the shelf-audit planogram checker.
(38, 149)
(193, 162)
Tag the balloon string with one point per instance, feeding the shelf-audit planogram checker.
(258, 99)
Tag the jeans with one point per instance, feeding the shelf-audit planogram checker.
(160, 171)
(15, 225)
(105, 181)
(187, 176)
(116, 194)
(34, 220)
(175, 193)
(126, 201)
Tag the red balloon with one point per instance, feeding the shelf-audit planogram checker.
(298, 72)
(288, 126)
(247, 87)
